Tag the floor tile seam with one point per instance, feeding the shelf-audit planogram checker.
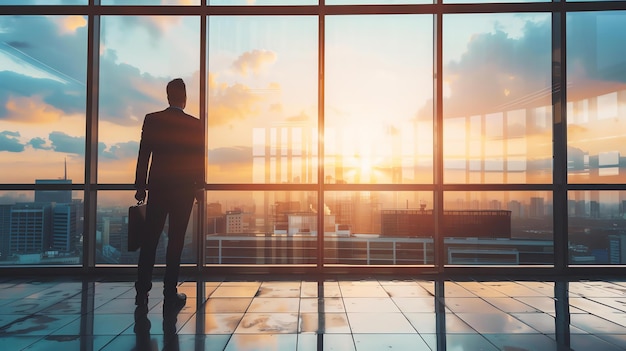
(461, 319)
(511, 298)
(611, 343)
(40, 339)
(514, 317)
(495, 334)
(601, 303)
(600, 317)
(597, 336)
(588, 310)
(398, 313)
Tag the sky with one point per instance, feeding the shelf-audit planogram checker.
(262, 75)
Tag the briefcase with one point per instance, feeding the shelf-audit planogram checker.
(136, 225)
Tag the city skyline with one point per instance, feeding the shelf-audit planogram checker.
(258, 82)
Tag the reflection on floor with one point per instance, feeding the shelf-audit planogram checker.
(373, 314)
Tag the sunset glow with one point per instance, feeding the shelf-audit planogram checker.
(378, 113)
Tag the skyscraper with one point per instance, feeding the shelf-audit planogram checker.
(30, 227)
(5, 226)
(56, 196)
(64, 227)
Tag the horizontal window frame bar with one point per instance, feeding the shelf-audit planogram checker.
(470, 272)
(309, 10)
(331, 187)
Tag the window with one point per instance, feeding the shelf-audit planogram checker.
(349, 133)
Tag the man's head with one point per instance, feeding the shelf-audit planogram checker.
(176, 93)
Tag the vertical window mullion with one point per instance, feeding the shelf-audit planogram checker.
(91, 136)
(320, 140)
(438, 139)
(559, 132)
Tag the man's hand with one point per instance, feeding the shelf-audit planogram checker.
(199, 195)
(140, 195)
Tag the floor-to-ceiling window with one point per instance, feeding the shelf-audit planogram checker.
(386, 133)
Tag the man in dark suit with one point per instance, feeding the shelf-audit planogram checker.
(173, 143)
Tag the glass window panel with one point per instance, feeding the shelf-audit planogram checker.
(596, 221)
(505, 121)
(487, 1)
(378, 94)
(261, 2)
(43, 227)
(257, 227)
(43, 2)
(139, 56)
(596, 97)
(378, 228)
(498, 228)
(150, 2)
(112, 232)
(262, 99)
(42, 97)
(590, 0)
(376, 2)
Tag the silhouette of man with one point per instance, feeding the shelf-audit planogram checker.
(172, 142)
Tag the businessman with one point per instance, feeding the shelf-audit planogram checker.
(172, 144)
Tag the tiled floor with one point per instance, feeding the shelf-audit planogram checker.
(373, 314)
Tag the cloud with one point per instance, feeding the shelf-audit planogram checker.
(126, 94)
(231, 155)
(154, 26)
(118, 151)
(39, 144)
(33, 100)
(37, 41)
(9, 141)
(230, 102)
(30, 110)
(59, 141)
(70, 24)
(500, 73)
(62, 142)
(47, 82)
(499, 70)
(255, 61)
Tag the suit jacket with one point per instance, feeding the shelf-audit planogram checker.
(173, 143)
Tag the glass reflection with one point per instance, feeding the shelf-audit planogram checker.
(42, 97)
(498, 131)
(139, 55)
(378, 228)
(376, 2)
(262, 99)
(487, 1)
(378, 93)
(596, 222)
(150, 2)
(261, 2)
(498, 228)
(596, 97)
(44, 227)
(43, 2)
(112, 232)
(259, 227)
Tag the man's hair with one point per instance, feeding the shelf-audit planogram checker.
(176, 90)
